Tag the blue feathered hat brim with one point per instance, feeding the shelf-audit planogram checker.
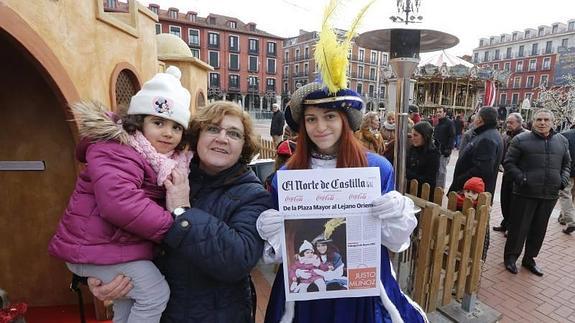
(314, 94)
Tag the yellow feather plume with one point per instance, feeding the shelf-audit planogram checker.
(330, 54)
(331, 225)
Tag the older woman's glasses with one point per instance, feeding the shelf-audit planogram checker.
(231, 133)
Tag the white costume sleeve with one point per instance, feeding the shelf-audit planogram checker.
(397, 214)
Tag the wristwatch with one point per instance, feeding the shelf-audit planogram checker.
(179, 211)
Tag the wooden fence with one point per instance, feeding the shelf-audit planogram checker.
(447, 248)
(267, 148)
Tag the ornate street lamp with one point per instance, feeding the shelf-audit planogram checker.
(410, 8)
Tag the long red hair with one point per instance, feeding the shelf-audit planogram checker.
(350, 153)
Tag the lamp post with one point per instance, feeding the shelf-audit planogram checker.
(251, 91)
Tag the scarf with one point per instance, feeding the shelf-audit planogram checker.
(163, 164)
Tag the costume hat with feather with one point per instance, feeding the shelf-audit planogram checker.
(331, 92)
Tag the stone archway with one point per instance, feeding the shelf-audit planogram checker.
(33, 101)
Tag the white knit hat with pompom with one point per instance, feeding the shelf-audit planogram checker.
(163, 96)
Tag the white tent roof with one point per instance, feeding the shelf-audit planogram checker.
(441, 57)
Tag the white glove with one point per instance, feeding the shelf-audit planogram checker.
(389, 205)
(269, 223)
(300, 273)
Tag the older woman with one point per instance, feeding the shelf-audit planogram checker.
(213, 245)
(369, 135)
(422, 162)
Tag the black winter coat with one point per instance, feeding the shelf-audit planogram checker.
(480, 158)
(570, 135)
(444, 136)
(211, 249)
(422, 164)
(539, 166)
(277, 126)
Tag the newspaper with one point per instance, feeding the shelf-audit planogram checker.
(331, 242)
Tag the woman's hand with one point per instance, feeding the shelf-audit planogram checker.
(117, 288)
(177, 190)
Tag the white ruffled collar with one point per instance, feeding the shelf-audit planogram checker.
(316, 163)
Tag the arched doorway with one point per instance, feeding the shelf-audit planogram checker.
(35, 128)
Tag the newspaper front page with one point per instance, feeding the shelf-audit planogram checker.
(331, 242)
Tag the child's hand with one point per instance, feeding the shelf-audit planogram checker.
(177, 190)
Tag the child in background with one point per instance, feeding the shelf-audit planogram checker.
(284, 151)
(116, 217)
(301, 272)
(471, 190)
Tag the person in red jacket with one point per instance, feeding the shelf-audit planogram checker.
(471, 190)
(116, 217)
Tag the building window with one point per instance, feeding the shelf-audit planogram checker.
(285, 89)
(481, 43)
(359, 88)
(373, 57)
(254, 46)
(495, 66)
(232, 24)
(213, 40)
(212, 20)
(360, 72)
(508, 53)
(534, 49)
(507, 66)
(214, 80)
(546, 63)
(503, 99)
(564, 42)
(271, 49)
(176, 31)
(496, 54)
(234, 43)
(195, 53)
(154, 9)
(305, 69)
(543, 80)
(475, 57)
(234, 81)
(532, 65)
(571, 26)
(297, 70)
(234, 62)
(372, 74)
(271, 84)
(253, 82)
(548, 47)
(297, 58)
(286, 56)
(527, 33)
(158, 27)
(173, 14)
(514, 36)
(214, 59)
(382, 92)
(517, 82)
(514, 99)
(554, 29)
(521, 51)
(253, 63)
(361, 55)
(371, 90)
(502, 39)
(193, 37)
(486, 57)
(383, 59)
(540, 32)
(519, 66)
(529, 83)
(306, 53)
(271, 66)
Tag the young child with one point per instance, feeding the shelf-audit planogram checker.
(471, 190)
(116, 217)
(284, 151)
(302, 273)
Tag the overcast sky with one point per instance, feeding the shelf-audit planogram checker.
(468, 20)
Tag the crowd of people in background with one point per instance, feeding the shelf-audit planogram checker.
(535, 160)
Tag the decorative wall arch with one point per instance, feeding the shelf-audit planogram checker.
(122, 71)
(42, 56)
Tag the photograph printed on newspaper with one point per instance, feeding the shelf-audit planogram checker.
(331, 242)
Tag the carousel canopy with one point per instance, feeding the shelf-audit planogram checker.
(440, 58)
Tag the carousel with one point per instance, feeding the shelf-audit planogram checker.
(451, 82)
